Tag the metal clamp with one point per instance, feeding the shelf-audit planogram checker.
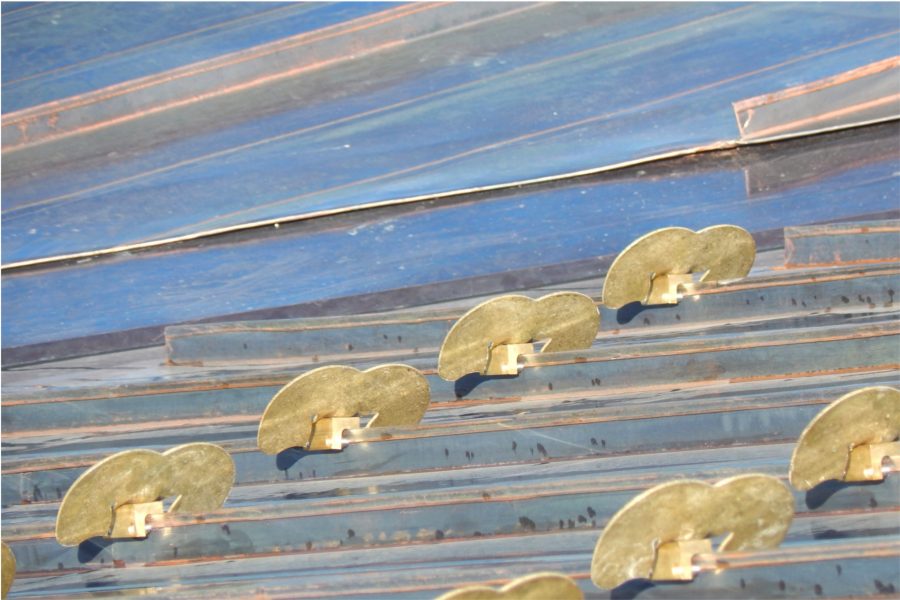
(490, 338)
(657, 268)
(314, 410)
(130, 520)
(119, 495)
(850, 440)
(657, 534)
(675, 560)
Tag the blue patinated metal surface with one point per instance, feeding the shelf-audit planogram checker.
(518, 93)
(775, 298)
(212, 115)
(504, 474)
(520, 229)
(849, 243)
(54, 50)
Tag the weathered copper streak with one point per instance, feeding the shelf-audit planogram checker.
(736, 287)
(173, 424)
(565, 126)
(159, 42)
(769, 344)
(204, 66)
(806, 88)
(775, 130)
(356, 116)
(861, 261)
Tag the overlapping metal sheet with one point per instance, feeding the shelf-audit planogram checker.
(520, 231)
(442, 98)
(221, 114)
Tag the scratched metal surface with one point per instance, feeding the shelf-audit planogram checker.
(209, 393)
(39, 468)
(56, 50)
(786, 580)
(482, 244)
(850, 243)
(543, 89)
(293, 41)
(586, 491)
(399, 333)
(785, 574)
(567, 497)
(714, 322)
(503, 477)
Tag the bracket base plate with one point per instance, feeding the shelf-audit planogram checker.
(130, 520)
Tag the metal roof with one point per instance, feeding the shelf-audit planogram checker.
(229, 114)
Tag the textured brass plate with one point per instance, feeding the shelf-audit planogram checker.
(328, 433)
(674, 560)
(199, 474)
(8, 568)
(648, 269)
(538, 586)
(504, 359)
(566, 320)
(866, 461)
(756, 510)
(396, 394)
(863, 417)
(130, 520)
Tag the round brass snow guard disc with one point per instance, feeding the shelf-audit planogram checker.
(569, 321)
(755, 509)
(538, 586)
(8, 569)
(199, 474)
(722, 252)
(399, 394)
(869, 415)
